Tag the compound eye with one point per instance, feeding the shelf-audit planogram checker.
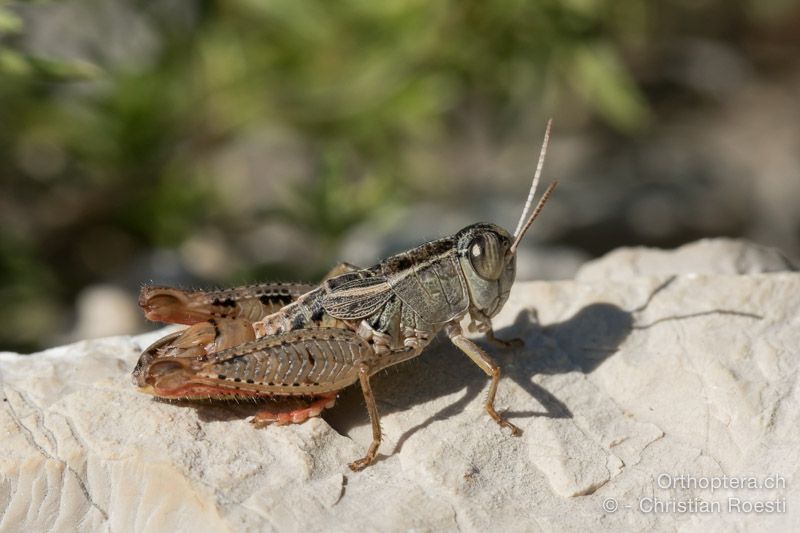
(487, 256)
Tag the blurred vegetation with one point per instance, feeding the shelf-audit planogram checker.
(107, 155)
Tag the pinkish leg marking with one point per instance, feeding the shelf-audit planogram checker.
(295, 416)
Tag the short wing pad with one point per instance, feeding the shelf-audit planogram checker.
(358, 298)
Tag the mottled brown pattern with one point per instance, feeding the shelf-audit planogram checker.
(425, 252)
(293, 362)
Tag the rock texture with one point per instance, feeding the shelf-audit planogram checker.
(620, 383)
(706, 256)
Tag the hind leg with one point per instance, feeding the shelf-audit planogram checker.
(295, 416)
(177, 306)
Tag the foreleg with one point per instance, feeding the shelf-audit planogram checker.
(482, 359)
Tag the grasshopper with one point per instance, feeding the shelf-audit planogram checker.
(310, 341)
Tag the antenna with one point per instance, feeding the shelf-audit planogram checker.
(535, 214)
(536, 176)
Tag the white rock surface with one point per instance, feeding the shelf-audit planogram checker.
(619, 383)
(706, 256)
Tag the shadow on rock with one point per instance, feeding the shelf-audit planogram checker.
(579, 344)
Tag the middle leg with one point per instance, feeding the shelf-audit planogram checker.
(369, 398)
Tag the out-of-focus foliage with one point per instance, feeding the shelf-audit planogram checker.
(106, 155)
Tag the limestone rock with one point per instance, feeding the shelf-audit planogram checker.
(620, 384)
(706, 256)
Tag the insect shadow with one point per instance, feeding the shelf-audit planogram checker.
(580, 343)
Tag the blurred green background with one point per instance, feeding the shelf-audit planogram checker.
(205, 143)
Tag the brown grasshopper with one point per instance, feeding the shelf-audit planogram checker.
(312, 341)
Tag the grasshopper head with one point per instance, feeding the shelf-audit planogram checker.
(489, 265)
(488, 253)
